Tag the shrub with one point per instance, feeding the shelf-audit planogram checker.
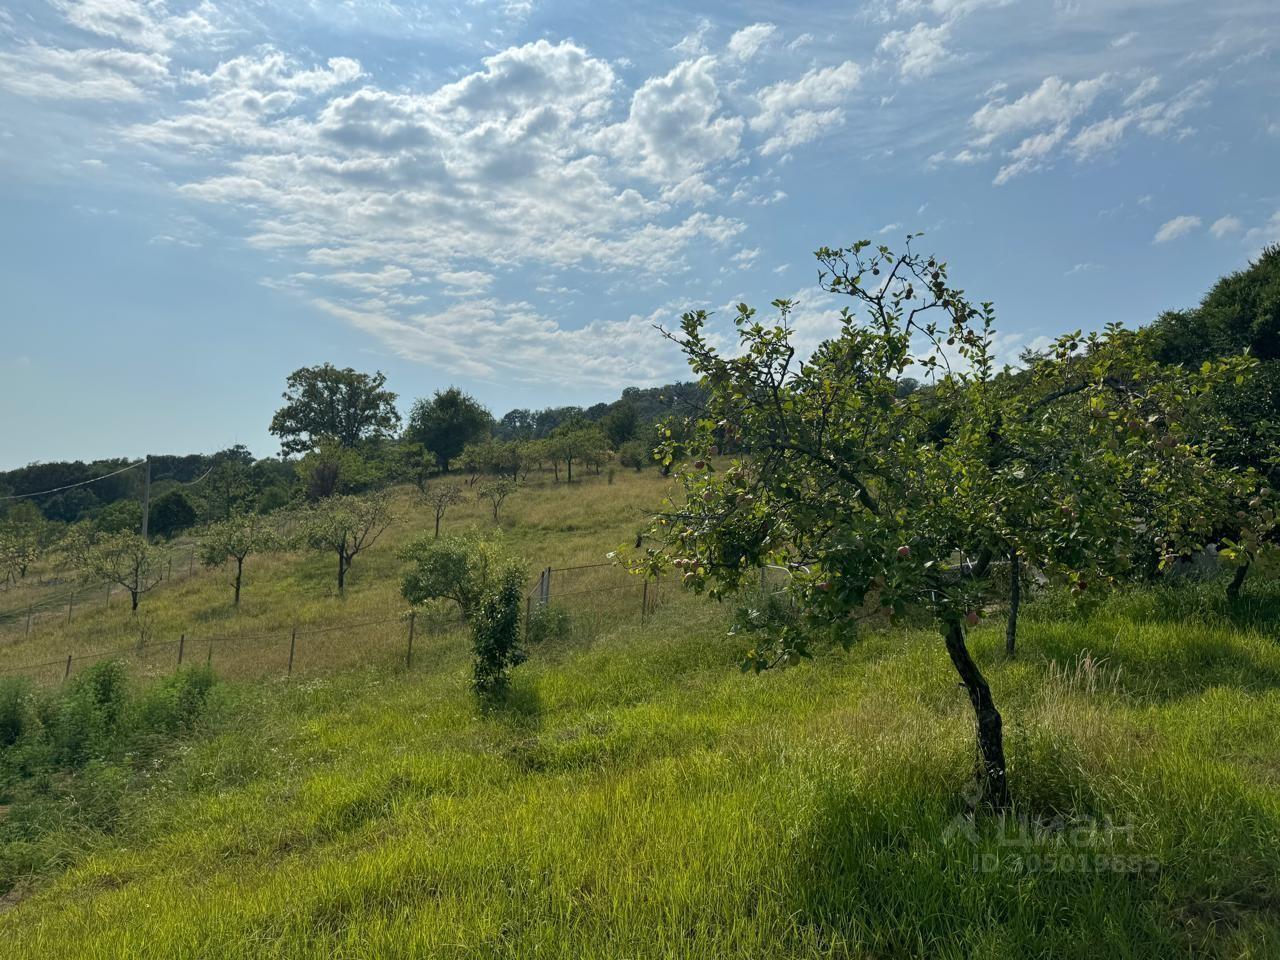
(15, 709)
(495, 634)
(636, 454)
(176, 703)
(547, 622)
(88, 716)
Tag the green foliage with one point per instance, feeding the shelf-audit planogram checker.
(447, 422)
(233, 540)
(171, 513)
(121, 558)
(15, 693)
(548, 622)
(620, 424)
(345, 526)
(333, 469)
(495, 633)
(636, 454)
(341, 405)
(122, 516)
(486, 584)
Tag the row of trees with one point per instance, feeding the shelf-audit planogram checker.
(1096, 460)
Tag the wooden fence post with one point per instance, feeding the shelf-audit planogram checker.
(108, 596)
(644, 599)
(208, 661)
(408, 658)
(67, 672)
(182, 642)
(293, 640)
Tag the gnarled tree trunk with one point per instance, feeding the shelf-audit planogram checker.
(992, 777)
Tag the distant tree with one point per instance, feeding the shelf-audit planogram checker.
(518, 424)
(229, 488)
(332, 469)
(495, 491)
(440, 497)
(233, 540)
(171, 513)
(122, 516)
(414, 464)
(486, 583)
(447, 422)
(619, 424)
(121, 558)
(635, 453)
(346, 526)
(578, 441)
(24, 536)
(343, 405)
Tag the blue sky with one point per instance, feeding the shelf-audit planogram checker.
(198, 197)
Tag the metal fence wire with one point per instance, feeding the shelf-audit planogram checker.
(593, 598)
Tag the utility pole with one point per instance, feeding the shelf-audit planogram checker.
(146, 501)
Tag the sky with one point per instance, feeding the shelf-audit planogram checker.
(197, 198)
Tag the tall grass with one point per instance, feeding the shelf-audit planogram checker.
(640, 797)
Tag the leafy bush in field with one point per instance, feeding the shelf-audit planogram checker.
(67, 759)
(486, 583)
(547, 622)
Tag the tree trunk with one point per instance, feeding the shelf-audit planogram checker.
(133, 600)
(1015, 602)
(991, 772)
(569, 463)
(239, 571)
(342, 570)
(437, 524)
(1237, 581)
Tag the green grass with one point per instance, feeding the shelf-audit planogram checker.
(640, 797)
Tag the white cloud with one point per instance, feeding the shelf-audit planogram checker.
(675, 127)
(148, 26)
(695, 44)
(789, 109)
(1098, 138)
(1224, 226)
(748, 41)
(1267, 233)
(1124, 40)
(919, 51)
(1175, 228)
(87, 74)
(890, 228)
(1055, 101)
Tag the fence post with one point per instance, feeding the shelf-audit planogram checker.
(528, 613)
(408, 659)
(293, 640)
(644, 599)
(67, 672)
(182, 642)
(208, 662)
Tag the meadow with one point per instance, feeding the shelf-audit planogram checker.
(639, 796)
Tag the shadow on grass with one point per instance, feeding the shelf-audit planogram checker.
(896, 868)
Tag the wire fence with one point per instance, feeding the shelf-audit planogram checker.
(593, 598)
(84, 595)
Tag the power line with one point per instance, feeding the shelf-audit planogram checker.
(41, 493)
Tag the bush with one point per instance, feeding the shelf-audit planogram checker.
(15, 709)
(87, 718)
(547, 623)
(175, 704)
(636, 454)
(495, 635)
(171, 513)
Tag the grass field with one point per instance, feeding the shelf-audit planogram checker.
(641, 797)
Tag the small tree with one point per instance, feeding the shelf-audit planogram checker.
(345, 525)
(440, 497)
(635, 453)
(233, 540)
(880, 500)
(121, 558)
(486, 584)
(495, 491)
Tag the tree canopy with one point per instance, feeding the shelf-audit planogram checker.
(340, 404)
(447, 422)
